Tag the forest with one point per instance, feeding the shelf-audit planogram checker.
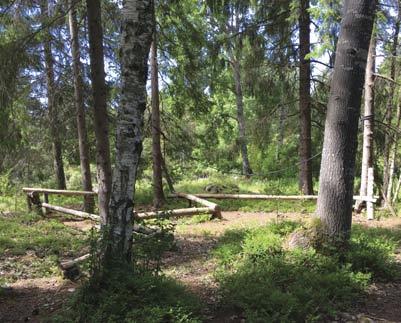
(200, 161)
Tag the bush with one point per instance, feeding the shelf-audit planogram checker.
(270, 284)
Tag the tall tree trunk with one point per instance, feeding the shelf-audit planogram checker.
(80, 109)
(394, 142)
(305, 141)
(52, 104)
(137, 31)
(246, 168)
(368, 122)
(393, 155)
(158, 194)
(334, 205)
(101, 124)
(388, 140)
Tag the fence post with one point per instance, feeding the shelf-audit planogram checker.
(370, 210)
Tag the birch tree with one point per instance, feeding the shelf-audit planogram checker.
(334, 206)
(136, 39)
(368, 121)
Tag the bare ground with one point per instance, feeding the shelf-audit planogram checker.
(34, 300)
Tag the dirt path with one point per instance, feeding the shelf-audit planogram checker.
(33, 300)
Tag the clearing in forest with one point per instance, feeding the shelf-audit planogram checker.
(38, 292)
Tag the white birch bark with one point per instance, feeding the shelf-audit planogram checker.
(135, 44)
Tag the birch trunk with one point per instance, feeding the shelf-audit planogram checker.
(334, 206)
(52, 104)
(101, 123)
(388, 139)
(305, 141)
(80, 109)
(246, 168)
(368, 122)
(137, 30)
(158, 194)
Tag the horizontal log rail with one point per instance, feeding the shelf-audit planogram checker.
(56, 192)
(273, 197)
(142, 215)
(215, 208)
(64, 210)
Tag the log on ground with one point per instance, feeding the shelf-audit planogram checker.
(64, 210)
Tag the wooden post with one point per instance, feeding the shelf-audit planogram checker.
(46, 197)
(28, 201)
(34, 199)
(369, 205)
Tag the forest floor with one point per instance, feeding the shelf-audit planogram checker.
(33, 299)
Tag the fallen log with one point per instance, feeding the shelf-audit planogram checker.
(80, 214)
(192, 197)
(71, 263)
(56, 192)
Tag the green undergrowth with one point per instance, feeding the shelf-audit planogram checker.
(268, 283)
(136, 293)
(30, 245)
(128, 296)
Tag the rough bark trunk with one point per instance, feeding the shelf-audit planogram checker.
(246, 168)
(52, 104)
(368, 122)
(388, 139)
(137, 31)
(334, 205)
(305, 141)
(80, 109)
(158, 194)
(100, 106)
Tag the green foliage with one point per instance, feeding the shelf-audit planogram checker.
(150, 245)
(270, 284)
(127, 296)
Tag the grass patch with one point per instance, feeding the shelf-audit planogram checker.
(31, 245)
(269, 284)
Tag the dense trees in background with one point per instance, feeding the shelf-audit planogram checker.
(243, 89)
